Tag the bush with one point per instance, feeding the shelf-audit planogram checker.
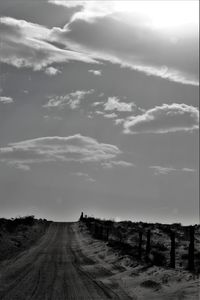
(12, 224)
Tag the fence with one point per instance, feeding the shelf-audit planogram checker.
(143, 248)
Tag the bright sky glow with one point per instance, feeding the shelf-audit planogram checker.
(162, 14)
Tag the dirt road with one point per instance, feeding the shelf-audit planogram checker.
(52, 270)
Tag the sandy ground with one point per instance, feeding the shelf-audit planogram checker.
(56, 268)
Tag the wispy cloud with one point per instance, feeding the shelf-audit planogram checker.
(95, 72)
(72, 100)
(6, 100)
(120, 163)
(50, 118)
(162, 170)
(99, 112)
(165, 118)
(166, 170)
(188, 170)
(97, 103)
(55, 148)
(85, 176)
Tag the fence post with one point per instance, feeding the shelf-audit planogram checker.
(172, 252)
(191, 250)
(140, 246)
(107, 233)
(148, 245)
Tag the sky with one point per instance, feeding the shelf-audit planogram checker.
(99, 110)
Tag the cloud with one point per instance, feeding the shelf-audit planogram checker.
(112, 163)
(25, 44)
(95, 72)
(99, 112)
(51, 71)
(6, 100)
(107, 116)
(85, 176)
(114, 103)
(57, 149)
(166, 170)
(50, 118)
(165, 118)
(162, 170)
(110, 116)
(119, 121)
(72, 100)
(188, 170)
(97, 103)
(20, 166)
(68, 3)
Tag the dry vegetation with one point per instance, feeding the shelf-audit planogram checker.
(19, 234)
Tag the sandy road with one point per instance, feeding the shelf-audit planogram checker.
(52, 270)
